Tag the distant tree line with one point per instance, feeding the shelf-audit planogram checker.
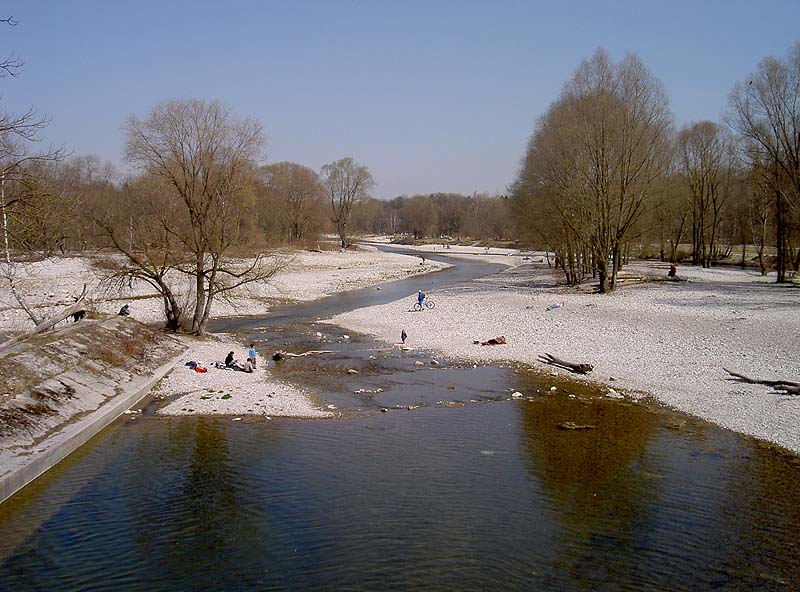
(438, 216)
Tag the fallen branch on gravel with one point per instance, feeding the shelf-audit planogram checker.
(787, 386)
(279, 355)
(571, 366)
(49, 322)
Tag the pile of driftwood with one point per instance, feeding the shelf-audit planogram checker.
(784, 387)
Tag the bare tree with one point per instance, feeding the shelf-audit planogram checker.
(10, 65)
(597, 155)
(298, 193)
(151, 253)
(203, 158)
(18, 211)
(765, 112)
(706, 157)
(670, 216)
(346, 183)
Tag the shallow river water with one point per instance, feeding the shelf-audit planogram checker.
(468, 490)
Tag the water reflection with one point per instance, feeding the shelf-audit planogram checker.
(487, 496)
(593, 478)
(638, 501)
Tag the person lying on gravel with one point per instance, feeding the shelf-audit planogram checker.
(493, 341)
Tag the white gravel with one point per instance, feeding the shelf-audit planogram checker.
(52, 284)
(229, 392)
(669, 340)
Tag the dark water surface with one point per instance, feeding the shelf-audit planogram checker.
(469, 491)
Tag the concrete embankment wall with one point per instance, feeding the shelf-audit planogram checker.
(60, 390)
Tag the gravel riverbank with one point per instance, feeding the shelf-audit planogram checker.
(670, 340)
(52, 284)
(229, 392)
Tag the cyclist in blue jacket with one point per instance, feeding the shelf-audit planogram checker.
(420, 298)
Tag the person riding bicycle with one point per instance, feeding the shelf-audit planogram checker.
(420, 298)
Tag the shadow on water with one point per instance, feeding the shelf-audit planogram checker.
(468, 490)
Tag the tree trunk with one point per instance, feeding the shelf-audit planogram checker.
(780, 223)
(200, 293)
(616, 266)
(602, 274)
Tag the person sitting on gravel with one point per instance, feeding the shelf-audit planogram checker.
(673, 271)
(124, 311)
(232, 364)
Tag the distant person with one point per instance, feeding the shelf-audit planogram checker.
(229, 361)
(251, 355)
(673, 271)
(78, 315)
(249, 366)
(403, 336)
(420, 298)
(124, 311)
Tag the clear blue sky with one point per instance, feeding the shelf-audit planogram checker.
(431, 96)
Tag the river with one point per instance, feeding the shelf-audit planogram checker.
(469, 490)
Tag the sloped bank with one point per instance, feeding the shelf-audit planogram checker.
(60, 389)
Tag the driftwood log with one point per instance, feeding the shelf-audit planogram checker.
(48, 323)
(279, 355)
(571, 366)
(789, 387)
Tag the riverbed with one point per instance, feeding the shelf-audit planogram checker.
(435, 476)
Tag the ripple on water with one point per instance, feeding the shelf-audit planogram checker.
(411, 500)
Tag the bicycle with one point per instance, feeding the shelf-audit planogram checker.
(429, 304)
